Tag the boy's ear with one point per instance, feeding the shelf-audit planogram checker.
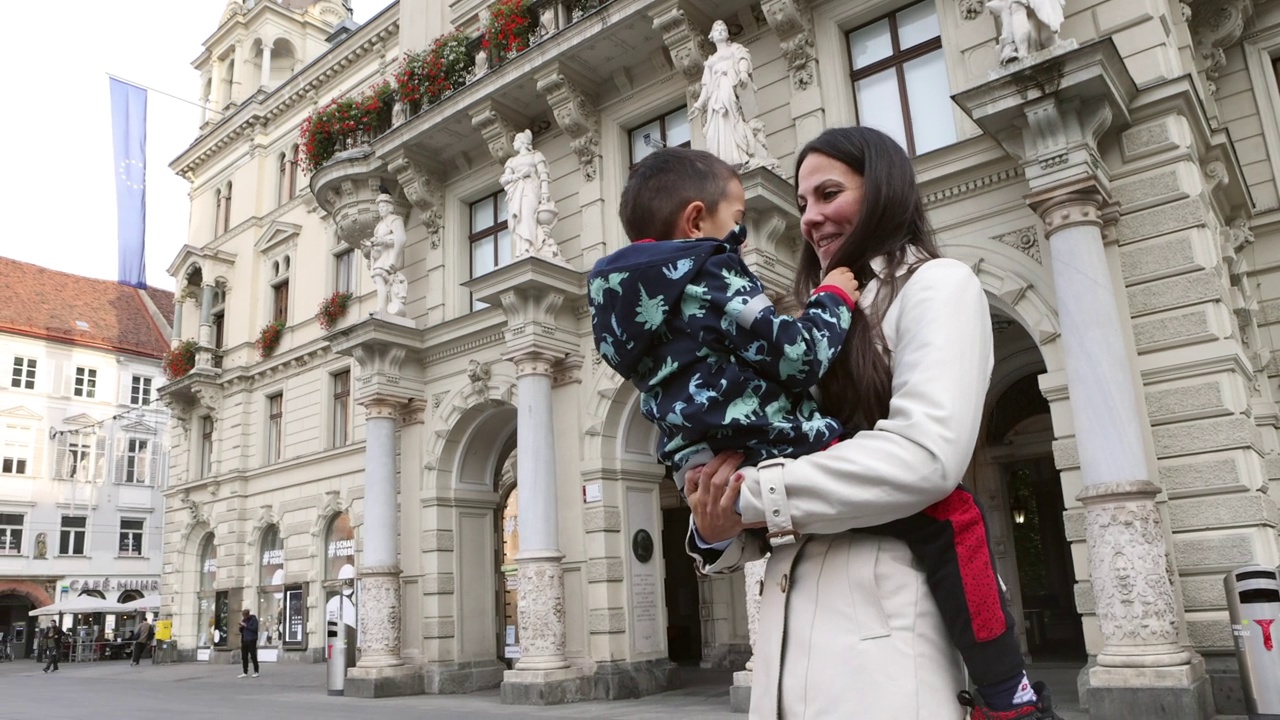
(690, 223)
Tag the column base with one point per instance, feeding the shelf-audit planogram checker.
(395, 681)
(628, 680)
(1175, 693)
(725, 656)
(740, 692)
(456, 678)
(547, 687)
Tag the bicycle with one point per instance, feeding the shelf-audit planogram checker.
(6, 652)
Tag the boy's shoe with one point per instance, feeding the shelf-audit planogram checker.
(1041, 709)
(242, 675)
(254, 675)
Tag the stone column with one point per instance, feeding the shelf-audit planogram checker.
(215, 86)
(532, 292)
(541, 608)
(179, 304)
(380, 567)
(386, 386)
(1051, 116)
(740, 692)
(266, 66)
(204, 350)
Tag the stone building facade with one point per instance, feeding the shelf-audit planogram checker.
(1116, 195)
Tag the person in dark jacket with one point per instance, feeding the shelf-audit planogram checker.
(689, 324)
(53, 636)
(248, 642)
(141, 638)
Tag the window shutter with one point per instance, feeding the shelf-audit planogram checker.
(99, 458)
(122, 453)
(155, 463)
(60, 457)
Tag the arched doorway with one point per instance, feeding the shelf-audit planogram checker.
(17, 600)
(209, 632)
(1015, 459)
(270, 593)
(341, 591)
(508, 546)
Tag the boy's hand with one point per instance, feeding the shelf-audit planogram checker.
(843, 278)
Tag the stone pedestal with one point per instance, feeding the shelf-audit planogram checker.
(773, 242)
(740, 693)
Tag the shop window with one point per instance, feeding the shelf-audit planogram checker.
(669, 130)
(341, 598)
(270, 587)
(209, 631)
(24, 373)
(899, 75)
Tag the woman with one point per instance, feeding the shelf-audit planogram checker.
(847, 620)
(527, 180)
(725, 75)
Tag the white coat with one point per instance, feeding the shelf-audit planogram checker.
(848, 627)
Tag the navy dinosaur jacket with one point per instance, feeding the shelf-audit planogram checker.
(718, 368)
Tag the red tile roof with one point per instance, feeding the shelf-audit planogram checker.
(39, 302)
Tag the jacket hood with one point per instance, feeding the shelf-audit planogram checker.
(633, 291)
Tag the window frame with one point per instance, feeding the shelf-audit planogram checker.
(66, 540)
(22, 437)
(137, 453)
(136, 535)
(344, 253)
(8, 532)
(23, 376)
(275, 427)
(136, 398)
(77, 452)
(896, 61)
(340, 409)
(661, 119)
(85, 383)
(205, 459)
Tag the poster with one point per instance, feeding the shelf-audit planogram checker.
(295, 625)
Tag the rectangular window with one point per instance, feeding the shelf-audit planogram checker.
(131, 537)
(490, 238)
(16, 457)
(86, 383)
(137, 461)
(24, 373)
(344, 271)
(280, 302)
(900, 83)
(219, 323)
(670, 130)
(11, 533)
(341, 408)
(77, 461)
(206, 446)
(275, 427)
(72, 534)
(140, 392)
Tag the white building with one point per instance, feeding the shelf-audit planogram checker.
(388, 451)
(83, 454)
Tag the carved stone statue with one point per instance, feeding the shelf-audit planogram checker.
(482, 64)
(1026, 27)
(725, 102)
(531, 213)
(385, 253)
(42, 546)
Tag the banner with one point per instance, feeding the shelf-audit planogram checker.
(129, 130)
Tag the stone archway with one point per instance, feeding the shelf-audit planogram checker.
(35, 594)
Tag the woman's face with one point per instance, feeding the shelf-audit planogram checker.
(719, 32)
(829, 194)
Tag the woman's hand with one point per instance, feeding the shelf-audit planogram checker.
(712, 491)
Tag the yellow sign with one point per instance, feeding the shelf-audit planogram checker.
(164, 629)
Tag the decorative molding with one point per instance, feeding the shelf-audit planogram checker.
(1025, 240)
(790, 21)
(575, 113)
(687, 43)
(497, 126)
(424, 188)
(533, 362)
(466, 347)
(413, 413)
(959, 190)
(567, 370)
(1215, 26)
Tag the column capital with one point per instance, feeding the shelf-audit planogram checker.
(413, 412)
(791, 22)
(533, 292)
(381, 406)
(386, 352)
(533, 362)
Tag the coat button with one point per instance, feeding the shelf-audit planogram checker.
(784, 583)
(776, 512)
(772, 489)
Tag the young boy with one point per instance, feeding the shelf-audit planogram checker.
(679, 314)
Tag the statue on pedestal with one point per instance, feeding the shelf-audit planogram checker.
(726, 100)
(1026, 27)
(385, 252)
(531, 213)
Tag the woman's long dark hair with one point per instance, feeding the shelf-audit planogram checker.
(857, 387)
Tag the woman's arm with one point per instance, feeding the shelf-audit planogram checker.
(941, 361)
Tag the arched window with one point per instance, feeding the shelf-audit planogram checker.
(282, 179)
(226, 209)
(217, 212)
(270, 587)
(206, 597)
(339, 574)
(293, 170)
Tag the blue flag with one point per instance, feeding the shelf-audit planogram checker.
(129, 131)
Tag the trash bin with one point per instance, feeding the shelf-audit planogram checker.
(1253, 601)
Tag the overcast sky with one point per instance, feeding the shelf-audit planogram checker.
(56, 126)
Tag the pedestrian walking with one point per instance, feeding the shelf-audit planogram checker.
(53, 636)
(141, 638)
(248, 642)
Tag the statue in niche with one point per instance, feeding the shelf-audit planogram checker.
(727, 105)
(531, 213)
(1026, 27)
(42, 546)
(385, 252)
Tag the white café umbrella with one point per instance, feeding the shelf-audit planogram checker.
(81, 604)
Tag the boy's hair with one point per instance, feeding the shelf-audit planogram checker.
(666, 182)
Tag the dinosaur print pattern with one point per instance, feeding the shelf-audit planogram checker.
(717, 366)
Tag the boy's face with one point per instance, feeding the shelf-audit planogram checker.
(728, 214)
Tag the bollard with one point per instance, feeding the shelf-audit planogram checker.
(336, 655)
(1253, 602)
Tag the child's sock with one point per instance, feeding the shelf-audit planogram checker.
(1008, 694)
